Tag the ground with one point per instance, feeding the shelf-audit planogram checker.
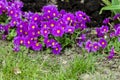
(70, 65)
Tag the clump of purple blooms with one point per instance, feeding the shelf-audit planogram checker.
(31, 27)
(35, 29)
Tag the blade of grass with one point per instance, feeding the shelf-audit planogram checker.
(113, 7)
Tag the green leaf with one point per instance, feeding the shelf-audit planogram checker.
(115, 2)
(12, 34)
(113, 7)
(106, 2)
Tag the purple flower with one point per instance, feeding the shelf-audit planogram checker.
(61, 21)
(45, 32)
(11, 12)
(82, 37)
(49, 9)
(35, 17)
(18, 4)
(82, 25)
(117, 32)
(81, 16)
(116, 16)
(57, 49)
(53, 43)
(16, 48)
(104, 29)
(28, 42)
(44, 24)
(18, 40)
(80, 43)
(119, 39)
(70, 29)
(116, 26)
(4, 37)
(88, 45)
(36, 46)
(95, 47)
(99, 33)
(112, 53)
(52, 24)
(62, 12)
(38, 33)
(47, 16)
(2, 7)
(20, 31)
(103, 43)
(68, 17)
(23, 24)
(32, 26)
(32, 33)
(13, 22)
(112, 34)
(47, 42)
(57, 32)
(106, 20)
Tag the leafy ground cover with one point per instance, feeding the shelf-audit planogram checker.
(68, 66)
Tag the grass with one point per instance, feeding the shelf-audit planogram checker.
(41, 66)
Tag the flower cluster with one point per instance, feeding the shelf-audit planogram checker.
(44, 29)
(98, 38)
(35, 29)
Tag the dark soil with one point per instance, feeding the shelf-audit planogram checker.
(91, 7)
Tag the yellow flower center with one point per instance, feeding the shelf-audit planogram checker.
(21, 26)
(53, 43)
(16, 15)
(45, 25)
(49, 11)
(28, 42)
(96, 47)
(32, 38)
(104, 29)
(54, 14)
(80, 15)
(69, 30)
(11, 12)
(103, 43)
(38, 32)
(33, 27)
(14, 22)
(45, 31)
(52, 25)
(68, 18)
(21, 41)
(33, 33)
(26, 33)
(20, 30)
(37, 44)
(48, 17)
(48, 41)
(90, 45)
(35, 18)
(56, 49)
(58, 31)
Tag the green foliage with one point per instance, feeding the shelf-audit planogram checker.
(3, 19)
(12, 34)
(68, 39)
(78, 66)
(23, 66)
(114, 6)
(113, 43)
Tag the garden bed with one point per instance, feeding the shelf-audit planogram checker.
(84, 43)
